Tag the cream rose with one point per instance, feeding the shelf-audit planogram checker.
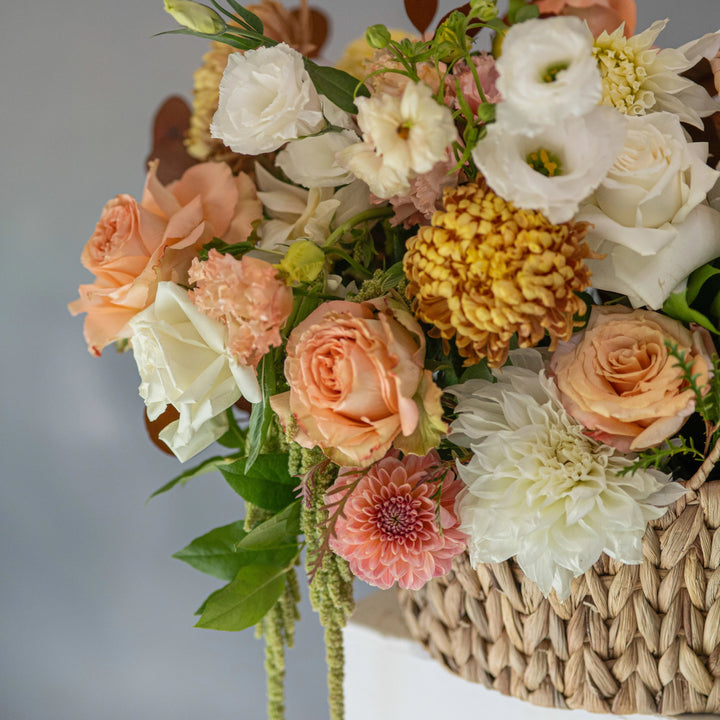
(357, 383)
(183, 361)
(618, 379)
(649, 216)
(266, 99)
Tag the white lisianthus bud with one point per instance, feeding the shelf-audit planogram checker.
(195, 16)
(310, 161)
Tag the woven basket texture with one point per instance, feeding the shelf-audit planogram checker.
(630, 639)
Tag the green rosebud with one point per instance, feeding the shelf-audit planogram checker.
(484, 10)
(486, 113)
(303, 262)
(377, 36)
(196, 17)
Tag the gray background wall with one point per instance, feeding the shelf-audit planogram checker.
(95, 618)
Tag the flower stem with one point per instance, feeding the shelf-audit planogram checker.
(364, 216)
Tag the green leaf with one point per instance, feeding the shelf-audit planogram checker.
(250, 18)
(261, 413)
(245, 601)
(336, 85)
(266, 483)
(215, 553)
(697, 279)
(676, 306)
(218, 553)
(234, 437)
(209, 465)
(280, 531)
(528, 12)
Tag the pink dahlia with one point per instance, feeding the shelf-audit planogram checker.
(399, 522)
(245, 295)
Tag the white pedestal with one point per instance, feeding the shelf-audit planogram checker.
(390, 677)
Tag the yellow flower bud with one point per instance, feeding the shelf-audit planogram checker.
(303, 263)
(196, 17)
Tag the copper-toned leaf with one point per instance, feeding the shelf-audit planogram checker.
(154, 427)
(169, 127)
(421, 12)
(318, 28)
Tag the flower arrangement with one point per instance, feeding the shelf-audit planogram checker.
(440, 300)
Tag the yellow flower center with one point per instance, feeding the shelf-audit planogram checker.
(544, 162)
(550, 74)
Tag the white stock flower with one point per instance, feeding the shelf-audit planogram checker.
(639, 78)
(310, 161)
(569, 160)
(649, 216)
(298, 213)
(538, 488)
(547, 73)
(183, 361)
(266, 99)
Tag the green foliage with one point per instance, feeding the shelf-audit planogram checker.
(207, 466)
(700, 301)
(266, 483)
(659, 457)
(521, 10)
(336, 85)
(237, 250)
(261, 413)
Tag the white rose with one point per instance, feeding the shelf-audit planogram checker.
(182, 360)
(569, 160)
(266, 99)
(310, 161)
(547, 72)
(649, 216)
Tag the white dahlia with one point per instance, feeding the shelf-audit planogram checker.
(538, 488)
(639, 78)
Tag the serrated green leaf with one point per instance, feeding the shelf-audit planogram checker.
(245, 601)
(209, 465)
(280, 531)
(218, 553)
(267, 483)
(215, 553)
(336, 85)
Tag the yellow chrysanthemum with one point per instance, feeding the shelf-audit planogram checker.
(485, 271)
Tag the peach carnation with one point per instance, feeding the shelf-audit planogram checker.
(618, 379)
(600, 15)
(247, 297)
(399, 523)
(136, 245)
(358, 383)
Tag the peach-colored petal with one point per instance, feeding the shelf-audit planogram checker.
(389, 530)
(618, 379)
(600, 15)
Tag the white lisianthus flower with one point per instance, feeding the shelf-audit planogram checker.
(538, 488)
(298, 213)
(649, 216)
(182, 359)
(547, 73)
(310, 161)
(554, 170)
(266, 99)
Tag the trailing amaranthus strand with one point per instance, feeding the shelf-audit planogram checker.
(331, 586)
(485, 271)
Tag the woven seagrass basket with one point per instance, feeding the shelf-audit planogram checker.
(630, 639)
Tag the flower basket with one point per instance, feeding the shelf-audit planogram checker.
(630, 638)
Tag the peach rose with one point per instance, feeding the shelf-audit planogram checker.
(599, 14)
(357, 383)
(618, 379)
(136, 245)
